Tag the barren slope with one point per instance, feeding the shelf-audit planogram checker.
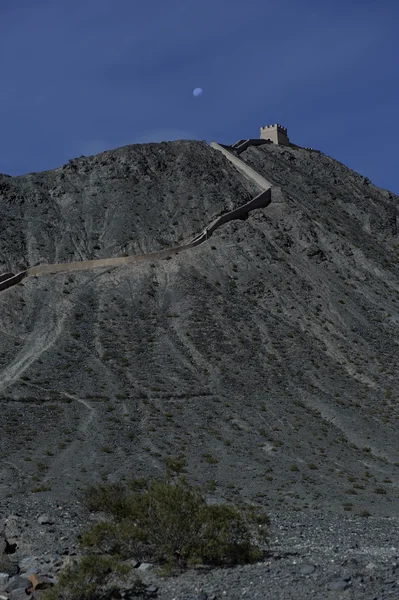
(264, 359)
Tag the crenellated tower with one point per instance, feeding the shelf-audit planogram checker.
(276, 134)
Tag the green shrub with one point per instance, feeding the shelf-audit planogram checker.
(88, 578)
(171, 524)
(40, 488)
(211, 460)
(175, 465)
(211, 485)
(110, 498)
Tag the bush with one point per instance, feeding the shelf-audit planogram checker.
(110, 498)
(89, 578)
(171, 524)
(175, 465)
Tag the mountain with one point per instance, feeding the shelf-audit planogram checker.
(262, 361)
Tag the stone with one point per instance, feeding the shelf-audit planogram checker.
(44, 520)
(132, 562)
(17, 583)
(338, 584)
(27, 562)
(19, 595)
(4, 577)
(145, 566)
(307, 569)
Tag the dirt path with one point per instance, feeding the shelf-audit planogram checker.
(40, 340)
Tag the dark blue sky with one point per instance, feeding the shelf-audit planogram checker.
(82, 76)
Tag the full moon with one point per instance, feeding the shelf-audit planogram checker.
(197, 92)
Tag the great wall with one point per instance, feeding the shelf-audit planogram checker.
(270, 134)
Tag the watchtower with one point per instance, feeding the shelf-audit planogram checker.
(276, 134)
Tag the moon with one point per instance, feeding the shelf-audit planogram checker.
(198, 92)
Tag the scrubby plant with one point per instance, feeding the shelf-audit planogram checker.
(106, 497)
(90, 578)
(170, 524)
(175, 465)
(211, 460)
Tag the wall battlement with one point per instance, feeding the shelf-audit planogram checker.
(276, 125)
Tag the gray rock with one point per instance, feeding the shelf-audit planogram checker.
(133, 563)
(307, 569)
(26, 563)
(145, 566)
(4, 577)
(18, 595)
(17, 583)
(44, 520)
(339, 584)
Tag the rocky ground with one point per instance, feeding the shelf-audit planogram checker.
(310, 555)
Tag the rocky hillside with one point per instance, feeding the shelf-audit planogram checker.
(132, 200)
(262, 363)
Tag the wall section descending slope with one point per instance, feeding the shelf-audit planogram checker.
(245, 169)
(5, 276)
(6, 283)
(260, 201)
